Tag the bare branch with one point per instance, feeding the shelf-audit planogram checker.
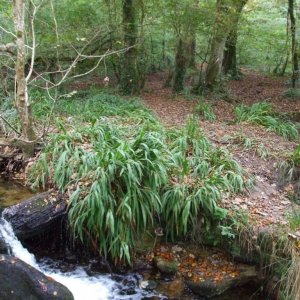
(8, 32)
(35, 8)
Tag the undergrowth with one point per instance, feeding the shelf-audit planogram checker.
(89, 106)
(249, 144)
(124, 178)
(288, 168)
(261, 113)
(205, 110)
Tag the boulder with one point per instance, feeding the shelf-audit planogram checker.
(210, 288)
(19, 281)
(35, 215)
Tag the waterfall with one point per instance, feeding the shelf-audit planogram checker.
(83, 286)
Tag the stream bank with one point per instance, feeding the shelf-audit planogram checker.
(148, 281)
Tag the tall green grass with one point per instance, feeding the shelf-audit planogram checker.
(124, 178)
(261, 113)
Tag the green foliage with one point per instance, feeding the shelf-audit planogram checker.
(205, 110)
(114, 182)
(288, 168)
(261, 113)
(292, 93)
(294, 219)
(199, 176)
(120, 176)
(89, 106)
(262, 39)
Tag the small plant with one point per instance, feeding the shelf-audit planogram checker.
(289, 171)
(205, 110)
(250, 144)
(262, 114)
(294, 220)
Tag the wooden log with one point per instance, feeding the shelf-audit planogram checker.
(36, 215)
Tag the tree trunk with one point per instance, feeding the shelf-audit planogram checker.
(295, 64)
(22, 101)
(129, 76)
(230, 59)
(226, 13)
(180, 66)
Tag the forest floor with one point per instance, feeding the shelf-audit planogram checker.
(267, 204)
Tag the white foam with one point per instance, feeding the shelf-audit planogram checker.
(81, 285)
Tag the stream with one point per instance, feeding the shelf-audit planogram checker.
(78, 280)
(82, 286)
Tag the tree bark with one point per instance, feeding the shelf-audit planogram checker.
(295, 64)
(230, 52)
(129, 75)
(22, 99)
(226, 13)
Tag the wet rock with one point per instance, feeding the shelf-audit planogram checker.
(35, 215)
(172, 289)
(148, 285)
(168, 267)
(19, 281)
(210, 288)
(3, 246)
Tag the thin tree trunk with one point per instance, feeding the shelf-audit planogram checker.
(230, 52)
(22, 100)
(129, 76)
(295, 64)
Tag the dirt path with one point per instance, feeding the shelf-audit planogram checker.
(266, 204)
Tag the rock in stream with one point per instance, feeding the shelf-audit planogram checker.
(20, 281)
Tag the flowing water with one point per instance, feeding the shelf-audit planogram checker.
(83, 286)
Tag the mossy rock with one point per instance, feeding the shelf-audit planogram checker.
(166, 266)
(210, 288)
